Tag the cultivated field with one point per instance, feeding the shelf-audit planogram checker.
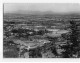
(38, 36)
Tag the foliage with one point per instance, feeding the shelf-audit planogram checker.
(72, 46)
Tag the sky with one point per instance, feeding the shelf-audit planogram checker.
(53, 7)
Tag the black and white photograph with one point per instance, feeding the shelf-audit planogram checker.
(41, 30)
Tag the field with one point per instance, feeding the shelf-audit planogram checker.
(37, 36)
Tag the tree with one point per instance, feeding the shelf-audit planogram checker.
(71, 48)
(74, 38)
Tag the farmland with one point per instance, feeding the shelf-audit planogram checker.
(37, 36)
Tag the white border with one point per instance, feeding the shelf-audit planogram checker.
(41, 1)
(56, 60)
